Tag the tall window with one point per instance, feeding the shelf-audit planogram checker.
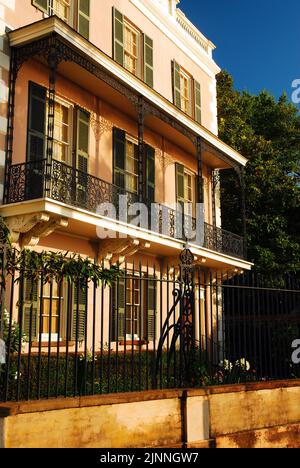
(189, 187)
(186, 92)
(62, 9)
(53, 302)
(69, 120)
(62, 133)
(78, 18)
(132, 49)
(134, 309)
(44, 312)
(185, 188)
(126, 165)
(131, 166)
(54, 312)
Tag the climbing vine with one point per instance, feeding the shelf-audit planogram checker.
(50, 266)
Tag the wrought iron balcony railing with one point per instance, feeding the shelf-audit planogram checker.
(62, 183)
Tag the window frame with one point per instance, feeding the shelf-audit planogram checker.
(143, 308)
(140, 55)
(192, 175)
(132, 305)
(63, 102)
(45, 337)
(192, 203)
(134, 141)
(194, 88)
(185, 75)
(52, 11)
(74, 10)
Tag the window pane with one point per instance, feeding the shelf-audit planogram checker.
(85, 6)
(62, 9)
(131, 169)
(185, 94)
(131, 49)
(61, 133)
(84, 26)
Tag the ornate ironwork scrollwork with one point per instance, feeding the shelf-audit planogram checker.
(181, 332)
(67, 185)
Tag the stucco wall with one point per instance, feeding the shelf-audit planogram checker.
(20, 13)
(101, 142)
(137, 423)
(244, 416)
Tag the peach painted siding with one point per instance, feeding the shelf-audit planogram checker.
(21, 12)
(101, 143)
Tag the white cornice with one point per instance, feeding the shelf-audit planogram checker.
(45, 27)
(68, 212)
(170, 27)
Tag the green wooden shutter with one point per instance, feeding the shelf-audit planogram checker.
(151, 309)
(198, 116)
(203, 189)
(36, 123)
(82, 158)
(176, 84)
(118, 318)
(119, 137)
(150, 173)
(30, 309)
(80, 305)
(180, 183)
(84, 18)
(148, 61)
(41, 5)
(118, 37)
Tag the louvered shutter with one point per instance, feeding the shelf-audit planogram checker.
(180, 183)
(151, 309)
(84, 18)
(118, 37)
(80, 305)
(36, 123)
(150, 174)
(83, 130)
(197, 101)
(119, 144)
(118, 319)
(41, 5)
(176, 84)
(30, 309)
(148, 61)
(201, 188)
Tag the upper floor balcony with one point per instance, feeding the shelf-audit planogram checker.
(94, 132)
(69, 186)
(152, 39)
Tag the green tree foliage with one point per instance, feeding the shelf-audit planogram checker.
(267, 132)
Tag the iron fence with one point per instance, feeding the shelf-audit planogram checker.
(155, 328)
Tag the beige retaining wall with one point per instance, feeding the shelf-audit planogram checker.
(252, 415)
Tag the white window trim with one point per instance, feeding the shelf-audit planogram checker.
(139, 49)
(130, 139)
(62, 101)
(140, 306)
(70, 22)
(183, 73)
(45, 337)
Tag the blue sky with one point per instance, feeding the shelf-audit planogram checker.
(257, 41)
